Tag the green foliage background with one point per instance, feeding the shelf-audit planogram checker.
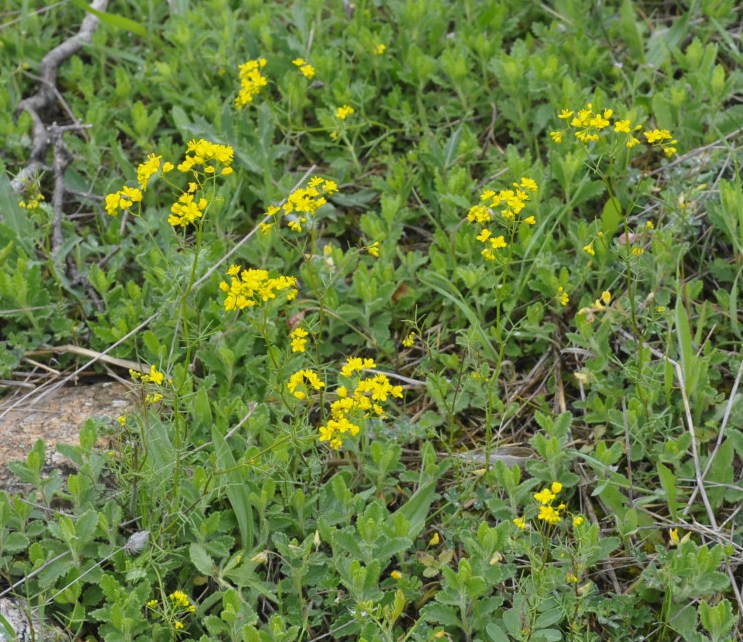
(272, 535)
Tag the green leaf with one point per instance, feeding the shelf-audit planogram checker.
(496, 633)
(201, 559)
(415, 510)
(668, 483)
(119, 22)
(611, 216)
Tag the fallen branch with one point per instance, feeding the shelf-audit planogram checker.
(47, 94)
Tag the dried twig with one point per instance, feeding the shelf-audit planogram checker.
(47, 94)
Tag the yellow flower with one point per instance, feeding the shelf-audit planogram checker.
(121, 420)
(578, 520)
(179, 598)
(146, 170)
(544, 496)
(251, 81)
(649, 225)
(520, 522)
(637, 251)
(549, 514)
(380, 49)
(660, 309)
(434, 541)
(299, 340)
(297, 384)
(674, 535)
(622, 126)
(344, 112)
(571, 578)
(484, 235)
(373, 249)
(562, 296)
(307, 70)
(565, 114)
(396, 575)
(556, 487)
(178, 625)
(254, 287)
(356, 364)
(152, 604)
(557, 136)
(530, 220)
(408, 341)
(588, 249)
(498, 242)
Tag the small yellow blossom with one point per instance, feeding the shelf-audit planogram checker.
(146, 170)
(434, 541)
(571, 578)
(307, 70)
(556, 487)
(356, 364)
(408, 341)
(637, 251)
(380, 49)
(299, 340)
(254, 287)
(649, 225)
(396, 575)
(557, 136)
(565, 114)
(373, 249)
(578, 520)
(549, 514)
(180, 599)
(544, 496)
(121, 420)
(178, 625)
(588, 249)
(530, 220)
(520, 522)
(251, 81)
(562, 296)
(660, 309)
(344, 112)
(152, 604)
(298, 383)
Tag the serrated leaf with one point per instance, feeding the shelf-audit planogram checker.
(201, 559)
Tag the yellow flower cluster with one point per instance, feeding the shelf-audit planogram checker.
(187, 210)
(344, 112)
(299, 339)
(409, 340)
(353, 407)
(589, 126)
(202, 158)
(146, 170)
(562, 296)
(122, 200)
(303, 202)
(179, 598)
(33, 196)
(155, 376)
(511, 203)
(662, 138)
(307, 70)
(299, 382)
(251, 81)
(547, 511)
(203, 153)
(380, 49)
(254, 287)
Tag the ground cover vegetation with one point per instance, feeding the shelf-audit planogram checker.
(432, 311)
